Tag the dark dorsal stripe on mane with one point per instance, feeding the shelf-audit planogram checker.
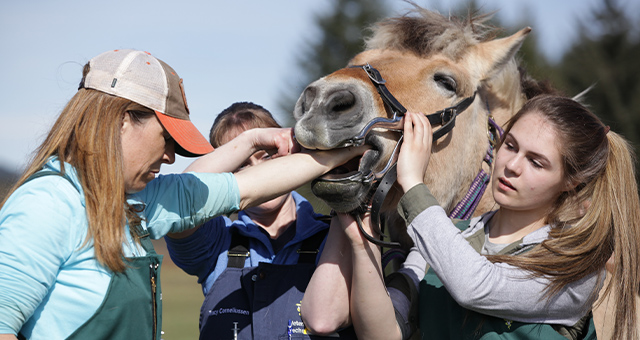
(425, 32)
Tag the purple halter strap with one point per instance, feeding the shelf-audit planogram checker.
(465, 208)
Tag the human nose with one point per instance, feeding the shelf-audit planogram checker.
(169, 153)
(513, 165)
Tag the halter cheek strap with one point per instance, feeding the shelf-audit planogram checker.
(389, 100)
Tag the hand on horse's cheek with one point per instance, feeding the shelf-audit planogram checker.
(415, 151)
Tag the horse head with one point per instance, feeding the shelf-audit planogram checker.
(429, 63)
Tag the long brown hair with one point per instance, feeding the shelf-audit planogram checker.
(86, 135)
(598, 218)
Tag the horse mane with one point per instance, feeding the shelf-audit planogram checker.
(424, 32)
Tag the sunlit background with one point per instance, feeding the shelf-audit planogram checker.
(226, 51)
(265, 52)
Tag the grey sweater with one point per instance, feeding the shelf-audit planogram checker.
(494, 289)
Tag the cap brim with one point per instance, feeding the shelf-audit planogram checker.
(190, 142)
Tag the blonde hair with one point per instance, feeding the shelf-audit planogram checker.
(597, 219)
(86, 135)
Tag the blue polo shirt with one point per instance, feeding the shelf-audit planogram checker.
(205, 252)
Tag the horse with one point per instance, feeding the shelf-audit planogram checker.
(423, 62)
(428, 62)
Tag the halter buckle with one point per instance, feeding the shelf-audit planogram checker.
(373, 74)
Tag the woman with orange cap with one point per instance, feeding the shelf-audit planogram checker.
(76, 260)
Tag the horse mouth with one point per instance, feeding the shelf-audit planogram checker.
(353, 170)
(347, 187)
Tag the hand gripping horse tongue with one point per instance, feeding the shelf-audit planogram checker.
(449, 63)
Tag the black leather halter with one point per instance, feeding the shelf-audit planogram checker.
(446, 118)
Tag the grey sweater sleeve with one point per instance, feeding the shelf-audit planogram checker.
(474, 282)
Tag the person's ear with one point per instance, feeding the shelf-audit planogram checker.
(125, 121)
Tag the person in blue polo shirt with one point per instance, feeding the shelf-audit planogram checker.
(253, 270)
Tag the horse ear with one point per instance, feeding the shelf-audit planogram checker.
(491, 56)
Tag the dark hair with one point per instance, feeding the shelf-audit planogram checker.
(239, 116)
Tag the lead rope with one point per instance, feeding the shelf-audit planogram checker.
(465, 208)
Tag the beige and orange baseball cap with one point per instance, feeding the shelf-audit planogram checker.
(148, 81)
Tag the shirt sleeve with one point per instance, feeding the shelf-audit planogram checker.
(197, 254)
(41, 225)
(495, 289)
(177, 202)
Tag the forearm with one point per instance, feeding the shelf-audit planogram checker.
(8, 337)
(329, 287)
(372, 310)
(270, 179)
(197, 255)
(494, 289)
(227, 157)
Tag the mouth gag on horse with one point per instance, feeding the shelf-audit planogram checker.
(384, 179)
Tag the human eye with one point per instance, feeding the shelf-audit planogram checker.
(509, 145)
(167, 136)
(536, 163)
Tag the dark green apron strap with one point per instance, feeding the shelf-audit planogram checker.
(145, 239)
(42, 173)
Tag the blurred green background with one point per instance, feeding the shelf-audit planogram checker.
(181, 299)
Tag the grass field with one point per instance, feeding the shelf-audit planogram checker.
(181, 299)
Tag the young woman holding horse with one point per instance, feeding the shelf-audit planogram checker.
(568, 202)
(278, 241)
(76, 261)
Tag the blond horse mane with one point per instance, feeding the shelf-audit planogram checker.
(424, 32)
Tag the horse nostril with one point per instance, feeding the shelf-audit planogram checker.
(308, 97)
(341, 101)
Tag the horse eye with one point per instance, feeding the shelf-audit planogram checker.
(446, 82)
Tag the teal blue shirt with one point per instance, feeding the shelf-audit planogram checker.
(50, 282)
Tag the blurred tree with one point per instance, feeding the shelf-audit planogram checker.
(607, 55)
(340, 38)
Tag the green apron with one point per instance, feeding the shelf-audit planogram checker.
(442, 318)
(132, 306)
